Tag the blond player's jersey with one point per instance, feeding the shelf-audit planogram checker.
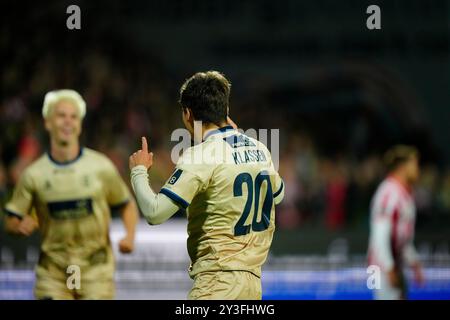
(229, 186)
(392, 222)
(73, 202)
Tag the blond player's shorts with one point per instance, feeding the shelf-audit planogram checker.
(226, 285)
(54, 282)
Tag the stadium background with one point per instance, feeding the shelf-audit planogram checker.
(339, 93)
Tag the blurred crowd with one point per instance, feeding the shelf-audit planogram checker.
(337, 192)
(128, 97)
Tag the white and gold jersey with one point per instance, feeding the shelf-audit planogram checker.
(73, 202)
(229, 186)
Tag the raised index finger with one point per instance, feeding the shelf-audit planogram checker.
(144, 145)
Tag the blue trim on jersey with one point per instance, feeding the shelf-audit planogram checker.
(13, 214)
(59, 163)
(276, 194)
(174, 197)
(220, 130)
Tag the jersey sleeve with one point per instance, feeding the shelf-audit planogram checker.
(187, 180)
(156, 208)
(384, 210)
(278, 194)
(22, 199)
(117, 193)
(278, 184)
(385, 206)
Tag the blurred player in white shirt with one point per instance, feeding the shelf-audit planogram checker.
(392, 221)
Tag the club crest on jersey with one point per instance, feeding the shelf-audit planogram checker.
(175, 176)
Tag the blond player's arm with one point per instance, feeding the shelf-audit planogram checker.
(18, 220)
(21, 226)
(156, 208)
(130, 217)
(12, 224)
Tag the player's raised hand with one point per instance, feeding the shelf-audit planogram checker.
(141, 157)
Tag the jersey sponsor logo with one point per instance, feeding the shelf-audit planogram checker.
(236, 141)
(70, 209)
(174, 178)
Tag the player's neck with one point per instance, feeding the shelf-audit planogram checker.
(64, 153)
(401, 179)
(211, 126)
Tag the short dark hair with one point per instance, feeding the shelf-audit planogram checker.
(398, 155)
(207, 94)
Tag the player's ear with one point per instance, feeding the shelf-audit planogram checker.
(184, 114)
(189, 115)
(47, 123)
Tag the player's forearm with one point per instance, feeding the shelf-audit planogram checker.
(12, 225)
(23, 227)
(130, 218)
(156, 209)
(382, 244)
(410, 254)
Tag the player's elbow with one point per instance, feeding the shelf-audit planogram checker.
(278, 200)
(278, 197)
(153, 220)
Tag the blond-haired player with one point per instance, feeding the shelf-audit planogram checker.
(229, 186)
(392, 221)
(72, 190)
